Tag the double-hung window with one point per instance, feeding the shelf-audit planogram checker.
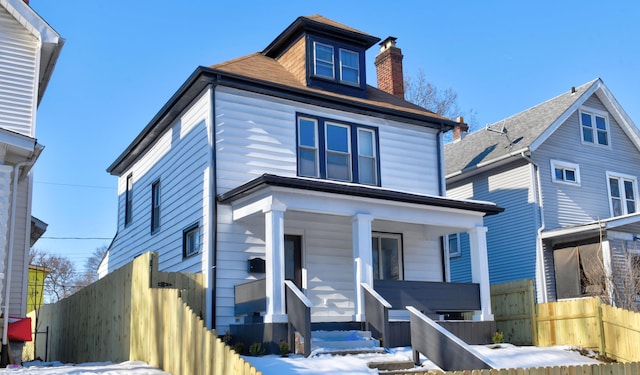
(565, 172)
(349, 67)
(323, 56)
(386, 256)
(155, 206)
(622, 194)
(128, 200)
(594, 126)
(337, 151)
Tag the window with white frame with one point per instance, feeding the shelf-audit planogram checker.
(128, 200)
(622, 194)
(337, 151)
(323, 57)
(452, 242)
(191, 240)
(386, 252)
(349, 66)
(595, 127)
(565, 172)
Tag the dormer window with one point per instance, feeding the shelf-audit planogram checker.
(324, 60)
(336, 67)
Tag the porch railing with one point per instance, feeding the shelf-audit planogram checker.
(443, 348)
(430, 297)
(299, 316)
(376, 312)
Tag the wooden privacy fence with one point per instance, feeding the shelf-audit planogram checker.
(587, 322)
(138, 313)
(514, 308)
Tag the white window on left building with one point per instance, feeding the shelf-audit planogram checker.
(191, 240)
(155, 206)
(128, 201)
(623, 193)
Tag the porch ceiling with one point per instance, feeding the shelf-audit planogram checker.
(335, 198)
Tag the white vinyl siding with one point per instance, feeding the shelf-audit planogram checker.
(256, 134)
(18, 76)
(180, 157)
(566, 205)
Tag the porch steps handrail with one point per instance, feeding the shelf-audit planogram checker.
(299, 316)
(376, 313)
(442, 347)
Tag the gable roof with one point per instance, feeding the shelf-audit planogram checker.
(51, 41)
(526, 131)
(260, 72)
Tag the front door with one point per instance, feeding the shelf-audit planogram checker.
(293, 259)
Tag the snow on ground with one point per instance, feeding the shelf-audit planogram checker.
(101, 368)
(503, 355)
(506, 356)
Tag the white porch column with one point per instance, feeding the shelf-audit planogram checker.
(362, 261)
(274, 267)
(608, 270)
(480, 271)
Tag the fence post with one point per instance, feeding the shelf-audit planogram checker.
(601, 340)
(533, 309)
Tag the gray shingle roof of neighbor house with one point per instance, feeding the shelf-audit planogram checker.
(521, 130)
(262, 73)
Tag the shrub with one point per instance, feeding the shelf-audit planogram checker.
(284, 348)
(256, 349)
(239, 347)
(498, 337)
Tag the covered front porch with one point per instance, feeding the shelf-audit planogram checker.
(352, 236)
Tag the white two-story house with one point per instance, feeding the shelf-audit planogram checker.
(566, 172)
(285, 165)
(29, 49)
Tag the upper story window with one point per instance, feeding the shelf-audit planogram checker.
(595, 127)
(564, 172)
(128, 200)
(622, 194)
(337, 151)
(155, 206)
(336, 67)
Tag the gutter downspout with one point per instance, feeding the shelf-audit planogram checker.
(213, 217)
(7, 280)
(540, 268)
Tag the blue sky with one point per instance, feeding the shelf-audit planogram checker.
(124, 59)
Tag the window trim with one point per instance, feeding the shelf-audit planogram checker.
(128, 200)
(593, 112)
(195, 227)
(621, 178)
(348, 154)
(398, 236)
(315, 61)
(341, 66)
(565, 165)
(447, 240)
(321, 169)
(155, 206)
(316, 148)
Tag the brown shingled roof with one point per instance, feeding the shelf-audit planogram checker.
(260, 68)
(321, 19)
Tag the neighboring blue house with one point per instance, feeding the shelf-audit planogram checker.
(566, 172)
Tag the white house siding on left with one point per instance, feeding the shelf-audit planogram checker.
(511, 249)
(566, 205)
(179, 160)
(18, 75)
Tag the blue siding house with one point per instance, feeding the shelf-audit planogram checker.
(566, 172)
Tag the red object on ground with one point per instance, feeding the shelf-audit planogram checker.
(19, 329)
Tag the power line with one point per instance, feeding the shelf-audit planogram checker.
(77, 238)
(75, 185)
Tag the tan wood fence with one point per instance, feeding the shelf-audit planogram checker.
(138, 313)
(514, 305)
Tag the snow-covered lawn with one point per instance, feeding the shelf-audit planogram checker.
(506, 356)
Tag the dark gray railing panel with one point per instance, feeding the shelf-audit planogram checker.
(299, 316)
(430, 297)
(250, 297)
(442, 347)
(376, 312)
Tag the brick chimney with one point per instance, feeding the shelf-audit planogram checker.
(460, 129)
(389, 68)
